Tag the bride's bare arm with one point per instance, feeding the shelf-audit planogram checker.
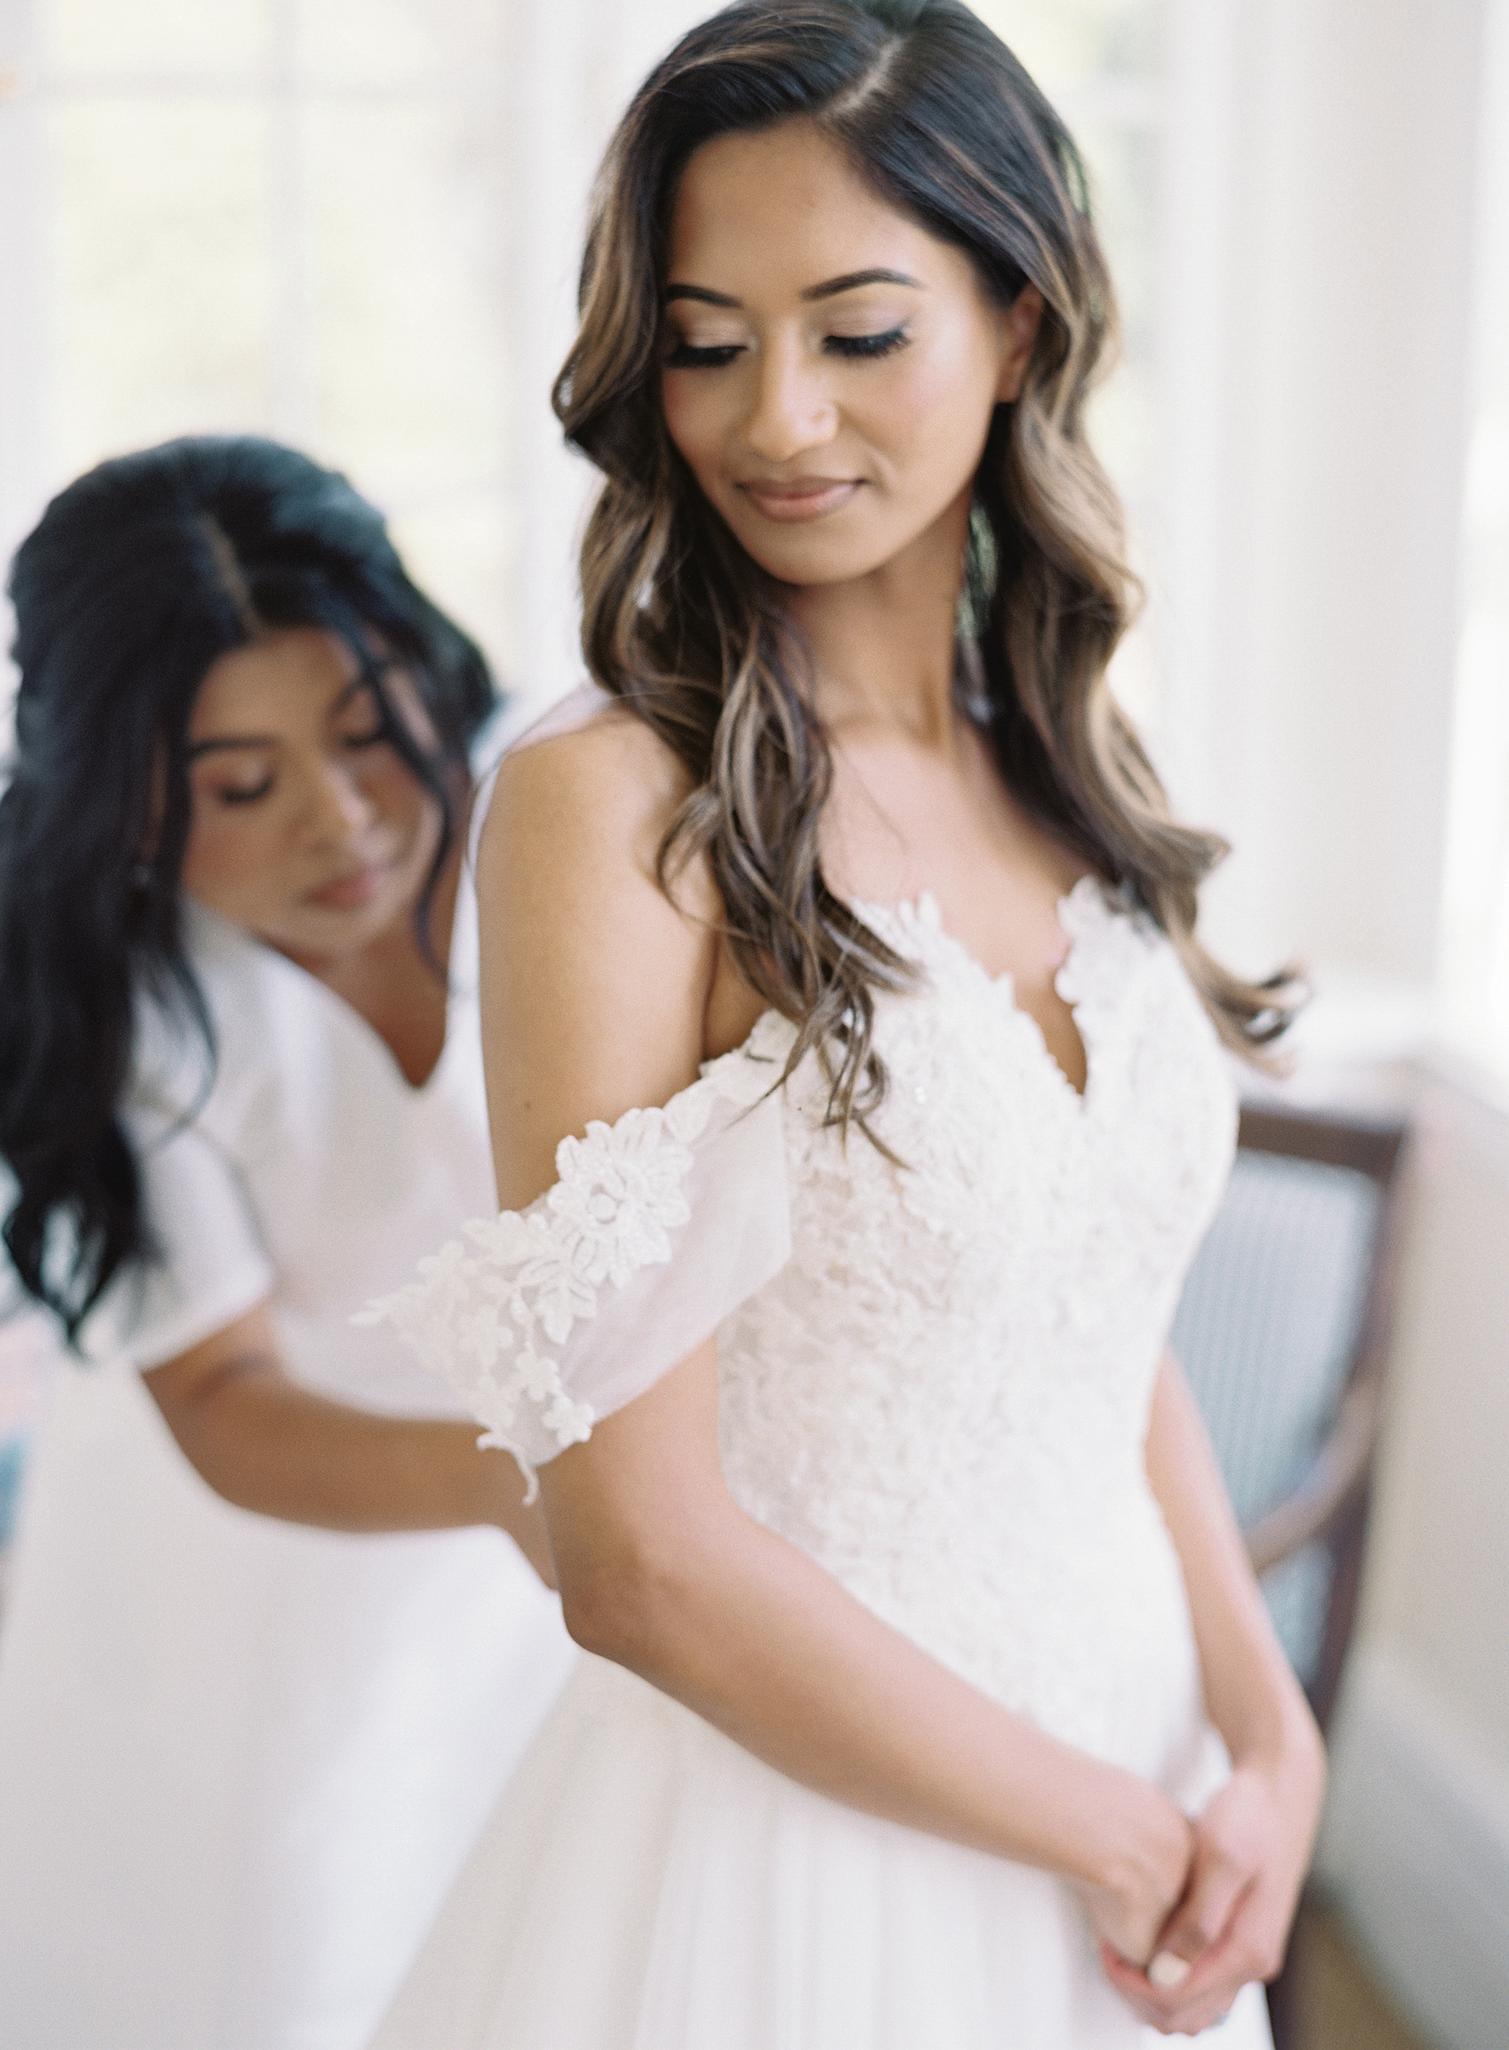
(660, 1571)
(1255, 1701)
(595, 989)
(1254, 1839)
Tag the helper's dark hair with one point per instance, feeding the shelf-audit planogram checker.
(941, 120)
(136, 579)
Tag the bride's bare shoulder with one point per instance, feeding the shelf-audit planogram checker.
(595, 982)
(588, 766)
(579, 808)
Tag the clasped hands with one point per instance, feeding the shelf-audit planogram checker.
(1227, 1921)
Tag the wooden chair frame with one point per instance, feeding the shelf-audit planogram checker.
(1331, 1501)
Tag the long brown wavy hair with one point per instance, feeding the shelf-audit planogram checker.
(945, 124)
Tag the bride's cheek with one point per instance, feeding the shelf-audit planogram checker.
(685, 413)
(949, 377)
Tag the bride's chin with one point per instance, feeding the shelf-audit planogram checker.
(815, 565)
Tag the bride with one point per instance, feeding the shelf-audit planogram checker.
(859, 1097)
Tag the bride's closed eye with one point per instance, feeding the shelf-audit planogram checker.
(687, 356)
(684, 356)
(884, 344)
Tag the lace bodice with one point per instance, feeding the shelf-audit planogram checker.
(933, 1377)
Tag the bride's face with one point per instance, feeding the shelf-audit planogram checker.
(829, 368)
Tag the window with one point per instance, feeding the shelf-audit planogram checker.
(288, 217)
(304, 218)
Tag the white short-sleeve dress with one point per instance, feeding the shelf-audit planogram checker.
(934, 1376)
(240, 1761)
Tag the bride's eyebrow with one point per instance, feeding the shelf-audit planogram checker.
(849, 282)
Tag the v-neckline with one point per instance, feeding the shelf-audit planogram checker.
(923, 913)
(349, 1020)
(360, 1026)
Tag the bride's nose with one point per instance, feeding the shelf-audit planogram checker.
(791, 403)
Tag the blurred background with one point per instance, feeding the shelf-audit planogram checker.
(353, 224)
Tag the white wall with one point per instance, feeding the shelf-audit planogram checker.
(1417, 1838)
(1439, 1590)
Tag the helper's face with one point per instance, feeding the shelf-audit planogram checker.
(307, 827)
(830, 368)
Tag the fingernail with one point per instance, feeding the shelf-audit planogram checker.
(1168, 1971)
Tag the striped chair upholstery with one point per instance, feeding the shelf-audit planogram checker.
(1282, 1333)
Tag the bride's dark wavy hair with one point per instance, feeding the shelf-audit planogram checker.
(137, 578)
(941, 120)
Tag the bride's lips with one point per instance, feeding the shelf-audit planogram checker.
(809, 498)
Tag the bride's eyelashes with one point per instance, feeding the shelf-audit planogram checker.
(686, 356)
(682, 356)
(885, 344)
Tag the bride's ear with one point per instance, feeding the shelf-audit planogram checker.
(1019, 335)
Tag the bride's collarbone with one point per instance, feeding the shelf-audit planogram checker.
(997, 882)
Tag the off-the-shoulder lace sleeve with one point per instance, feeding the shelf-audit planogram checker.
(546, 1319)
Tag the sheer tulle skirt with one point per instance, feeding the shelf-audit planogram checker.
(645, 1884)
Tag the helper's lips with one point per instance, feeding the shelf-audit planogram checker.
(806, 498)
(347, 892)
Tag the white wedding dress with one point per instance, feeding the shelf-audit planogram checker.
(936, 1381)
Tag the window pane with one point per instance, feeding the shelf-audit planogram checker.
(461, 553)
(153, 36)
(405, 219)
(398, 41)
(162, 274)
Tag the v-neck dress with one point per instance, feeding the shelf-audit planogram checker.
(240, 1761)
(934, 1377)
